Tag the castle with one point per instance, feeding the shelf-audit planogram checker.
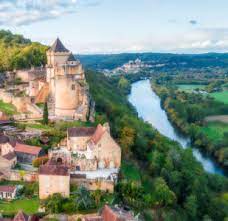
(61, 84)
(65, 77)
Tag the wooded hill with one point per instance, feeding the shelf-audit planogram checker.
(17, 52)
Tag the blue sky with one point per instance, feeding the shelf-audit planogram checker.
(113, 26)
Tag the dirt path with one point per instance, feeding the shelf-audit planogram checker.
(220, 118)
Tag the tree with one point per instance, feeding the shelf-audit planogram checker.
(45, 114)
(191, 207)
(53, 204)
(127, 138)
(83, 199)
(163, 195)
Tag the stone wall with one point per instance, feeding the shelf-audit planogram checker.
(18, 175)
(50, 184)
(94, 184)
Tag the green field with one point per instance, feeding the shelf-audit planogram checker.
(8, 109)
(190, 87)
(221, 96)
(215, 130)
(29, 206)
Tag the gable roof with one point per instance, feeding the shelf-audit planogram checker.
(23, 148)
(21, 217)
(80, 131)
(71, 58)
(8, 189)
(98, 134)
(58, 46)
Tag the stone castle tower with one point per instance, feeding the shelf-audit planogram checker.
(68, 92)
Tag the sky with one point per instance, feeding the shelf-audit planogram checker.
(115, 26)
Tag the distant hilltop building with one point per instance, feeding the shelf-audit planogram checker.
(61, 83)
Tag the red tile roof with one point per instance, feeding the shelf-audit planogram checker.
(8, 189)
(98, 134)
(23, 148)
(116, 214)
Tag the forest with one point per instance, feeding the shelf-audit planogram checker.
(170, 183)
(17, 52)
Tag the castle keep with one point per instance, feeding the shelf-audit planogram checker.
(61, 84)
(65, 77)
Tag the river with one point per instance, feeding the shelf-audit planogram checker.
(148, 106)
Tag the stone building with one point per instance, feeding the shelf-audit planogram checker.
(68, 92)
(53, 178)
(94, 143)
(92, 155)
(61, 83)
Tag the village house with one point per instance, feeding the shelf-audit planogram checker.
(8, 192)
(114, 213)
(92, 155)
(6, 145)
(53, 178)
(26, 153)
(21, 216)
(89, 144)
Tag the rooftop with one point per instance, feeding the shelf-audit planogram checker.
(23, 148)
(58, 46)
(81, 131)
(98, 134)
(21, 217)
(8, 189)
(53, 169)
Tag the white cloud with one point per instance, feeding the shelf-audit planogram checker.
(23, 12)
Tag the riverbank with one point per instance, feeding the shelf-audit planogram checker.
(180, 110)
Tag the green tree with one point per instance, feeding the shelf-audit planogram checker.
(83, 199)
(45, 114)
(191, 207)
(127, 138)
(163, 195)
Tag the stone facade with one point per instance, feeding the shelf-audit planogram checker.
(53, 179)
(94, 143)
(61, 83)
(66, 79)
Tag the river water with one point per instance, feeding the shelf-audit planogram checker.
(148, 106)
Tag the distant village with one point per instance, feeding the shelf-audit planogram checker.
(87, 156)
(131, 67)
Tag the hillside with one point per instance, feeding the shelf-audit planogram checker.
(112, 61)
(17, 52)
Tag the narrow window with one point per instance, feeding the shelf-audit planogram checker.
(73, 87)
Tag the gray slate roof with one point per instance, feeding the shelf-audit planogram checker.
(58, 46)
(71, 58)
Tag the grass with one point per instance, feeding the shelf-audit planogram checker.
(221, 96)
(29, 206)
(130, 172)
(215, 130)
(190, 87)
(6, 108)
